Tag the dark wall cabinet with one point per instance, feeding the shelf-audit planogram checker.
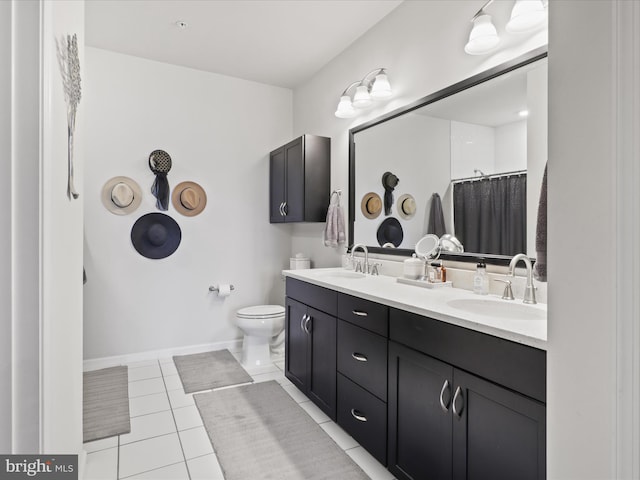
(310, 343)
(428, 399)
(299, 180)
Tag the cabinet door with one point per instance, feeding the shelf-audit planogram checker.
(277, 172)
(322, 375)
(420, 438)
(294, 208)
(296, 344)
(497, 434)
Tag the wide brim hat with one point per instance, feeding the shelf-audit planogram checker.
(406, 206)
(189, 198)
(121, 195)
(156, 235)
(371, 205)
(390, 231)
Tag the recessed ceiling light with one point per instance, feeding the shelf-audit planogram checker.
(181, 25)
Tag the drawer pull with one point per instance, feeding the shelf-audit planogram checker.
(306, 325)
(443, 405)
(359, 313)
(358, 415)
(359, 357)
(302, 320)
(453, 404)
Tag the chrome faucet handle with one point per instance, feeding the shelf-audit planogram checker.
(358, 267)
(508, 291)
(374, 268)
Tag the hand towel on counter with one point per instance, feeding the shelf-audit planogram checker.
(334, 230)
(540, 267)
(436, 217)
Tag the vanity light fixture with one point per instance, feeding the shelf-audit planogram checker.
(526, 15)
(375, 85)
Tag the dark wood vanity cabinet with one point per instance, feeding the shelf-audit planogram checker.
(362, 372)
(428, 399)
(310, 343)
(299, 180)
(447, 423)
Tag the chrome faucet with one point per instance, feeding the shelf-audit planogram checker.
(529, 291)
(365, 267)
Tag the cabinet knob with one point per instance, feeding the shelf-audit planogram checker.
(358, 415)
(359, 357)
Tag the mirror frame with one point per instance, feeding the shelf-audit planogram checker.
(506, 67)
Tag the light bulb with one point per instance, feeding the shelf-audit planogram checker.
(345, 108)
(362, 99)
(526, 15)
(483, 37)
(381, 87)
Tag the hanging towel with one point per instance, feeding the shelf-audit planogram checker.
(540, 267)
(436, 217)
(334, 232)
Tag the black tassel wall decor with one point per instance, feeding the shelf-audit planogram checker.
(160, 164)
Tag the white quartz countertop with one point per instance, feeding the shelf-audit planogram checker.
(508, 319)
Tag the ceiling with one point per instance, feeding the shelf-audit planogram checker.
(277, 42)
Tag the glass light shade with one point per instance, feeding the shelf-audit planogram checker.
(483, 37)
(381, 87)
(345, 108)
(362, 99)
(526, 15)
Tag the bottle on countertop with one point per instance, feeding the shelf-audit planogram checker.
(480, 279)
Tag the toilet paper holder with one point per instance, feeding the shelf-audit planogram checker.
(214, 288)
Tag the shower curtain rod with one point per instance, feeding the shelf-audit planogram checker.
(488, 177)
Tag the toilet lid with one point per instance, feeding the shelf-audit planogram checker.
(261, 311)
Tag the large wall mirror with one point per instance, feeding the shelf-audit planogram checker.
(466, 162)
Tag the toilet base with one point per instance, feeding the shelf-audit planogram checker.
(256, 351)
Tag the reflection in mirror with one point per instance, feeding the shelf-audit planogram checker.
(471, 159)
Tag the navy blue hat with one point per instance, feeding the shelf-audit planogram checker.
(155, 235)
(390, 231)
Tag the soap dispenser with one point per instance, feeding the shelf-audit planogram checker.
(480, 279)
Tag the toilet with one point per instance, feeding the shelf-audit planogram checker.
(262, 325)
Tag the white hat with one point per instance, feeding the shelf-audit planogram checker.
(121, 195)
(406, 206)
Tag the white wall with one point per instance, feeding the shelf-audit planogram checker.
(473, 147)
(587, 193)
(421, 44)
(5, 226)
(62, 225)
(41, 248)
(416, 149)
(511, 147)
(219, 131)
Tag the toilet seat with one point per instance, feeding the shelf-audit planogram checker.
(261, 312)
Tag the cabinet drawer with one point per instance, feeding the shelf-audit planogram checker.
(364, 417)
(364, 313)
(314, 296)
(516, 366)
(362, 356)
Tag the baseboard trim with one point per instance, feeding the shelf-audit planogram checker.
(105, 362)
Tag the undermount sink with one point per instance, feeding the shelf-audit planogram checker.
(345, 274)
(498, 308)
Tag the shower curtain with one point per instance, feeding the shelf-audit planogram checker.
(490, 215)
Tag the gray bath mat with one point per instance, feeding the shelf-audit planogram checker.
(105, 411)
(204, 371)
(259, 432)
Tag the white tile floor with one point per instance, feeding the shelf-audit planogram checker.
(168, 440)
